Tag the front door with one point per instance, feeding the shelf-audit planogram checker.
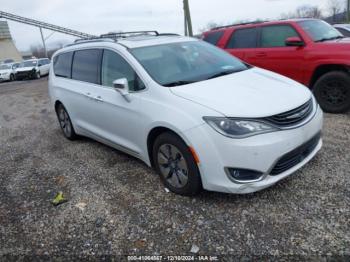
(117, 119)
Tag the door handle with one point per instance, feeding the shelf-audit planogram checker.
(261, 54)
(88, 95)
(99, 99)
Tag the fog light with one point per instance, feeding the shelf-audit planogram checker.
(243, 175)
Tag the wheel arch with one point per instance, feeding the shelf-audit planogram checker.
(154, 133)
(57, 103)
(324, 69)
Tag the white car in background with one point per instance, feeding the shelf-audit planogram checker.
(199, 116)
(33, 69)
(343, 28)
(7, 72)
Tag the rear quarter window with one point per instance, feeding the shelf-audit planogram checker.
(213, 37)
(62, 65)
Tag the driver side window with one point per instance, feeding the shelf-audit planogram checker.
(115, 67)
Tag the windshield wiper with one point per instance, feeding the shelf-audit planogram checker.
(223, 73)
(178, 83)
(328, 39)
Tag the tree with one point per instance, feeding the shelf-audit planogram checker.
(335, 7)
(304, 11)
(308, 11)
(210, 26)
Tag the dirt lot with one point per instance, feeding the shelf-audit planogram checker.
(118, 206)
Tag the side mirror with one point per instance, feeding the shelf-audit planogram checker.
(39, 65)
(122, 86)
(294, 41)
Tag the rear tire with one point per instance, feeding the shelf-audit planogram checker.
(65, 123)
(37, 75)
(176, 166)
(332, 92)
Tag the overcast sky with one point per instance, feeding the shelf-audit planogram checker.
(96, 17)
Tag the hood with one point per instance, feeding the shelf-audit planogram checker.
(24, 69)
(251, 93)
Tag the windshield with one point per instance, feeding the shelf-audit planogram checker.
(186, 62)
(320, 31)
(28, 64)
(4, 67)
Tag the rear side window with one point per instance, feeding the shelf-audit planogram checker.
(243, 38)
(275, 36)
(62, 64)
(87, 65)
(214, 37)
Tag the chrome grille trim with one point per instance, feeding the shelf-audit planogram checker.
(293, 117)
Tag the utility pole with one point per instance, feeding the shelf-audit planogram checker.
(188, 21)
(43, 39)
(348, 11)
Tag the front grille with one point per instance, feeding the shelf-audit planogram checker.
(292, 117)
(296, 156)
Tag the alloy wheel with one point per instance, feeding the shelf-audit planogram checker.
(65, 122)
(172, 165)
(334, 92)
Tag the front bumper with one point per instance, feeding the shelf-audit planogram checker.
(4, 77)
(25, 74)
(261, 153)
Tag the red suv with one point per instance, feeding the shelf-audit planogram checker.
(309, 51)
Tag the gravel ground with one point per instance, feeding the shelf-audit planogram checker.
(117, 205)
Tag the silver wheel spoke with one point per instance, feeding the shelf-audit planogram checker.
(174, 181)
(163, 157)
(172, 165)
(181, 177)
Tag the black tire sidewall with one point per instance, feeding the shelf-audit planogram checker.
(317, 90)
(194, 184)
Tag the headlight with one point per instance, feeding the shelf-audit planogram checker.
(238, 128)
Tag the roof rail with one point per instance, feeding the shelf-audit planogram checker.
(90, 40)
(113, 37)
(128, 34)
(168, 34)
(246, 23)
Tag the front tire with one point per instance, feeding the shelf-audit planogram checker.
(332, 92)
(65, 123)
(12, 77)
(37, 75)
(176, 165)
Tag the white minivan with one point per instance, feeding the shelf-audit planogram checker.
(202, 118)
